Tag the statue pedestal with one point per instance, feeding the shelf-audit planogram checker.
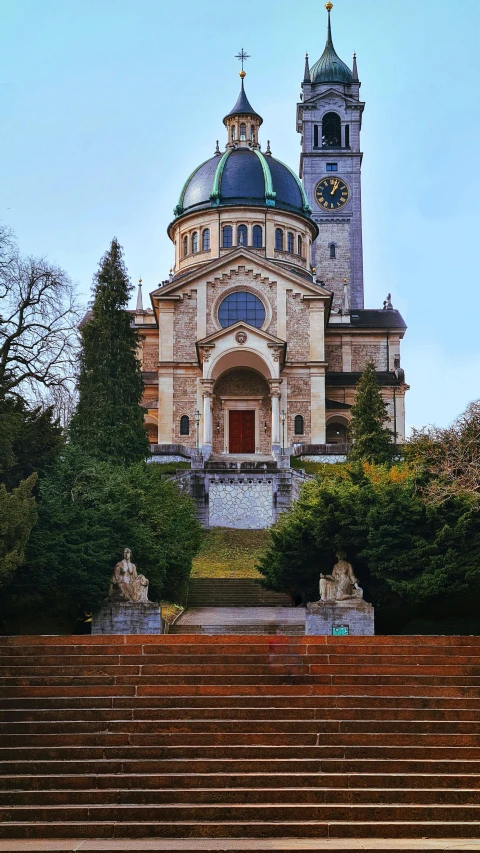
(128, 617)
(353, 617)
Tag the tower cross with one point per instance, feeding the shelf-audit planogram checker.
(242, 56)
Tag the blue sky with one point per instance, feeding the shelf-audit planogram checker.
(108, 105)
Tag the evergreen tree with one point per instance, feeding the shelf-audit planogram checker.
(108, 421)
(372, 441)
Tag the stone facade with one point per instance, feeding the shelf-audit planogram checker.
(248, 505)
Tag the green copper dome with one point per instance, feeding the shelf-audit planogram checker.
(330, 68)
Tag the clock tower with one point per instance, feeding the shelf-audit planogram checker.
(329, 118)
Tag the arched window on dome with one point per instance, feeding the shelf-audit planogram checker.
(195, 242)
(227, 237)
(243, 132)
(333, 250)
(242, 235)
(185, 246)
(252, 133)
(257, 237)
(299, 425)
(299, 245)
(279, 239)
(331, 131)
(290, 242)
(184, 425)
(206, 240)
(233, 133)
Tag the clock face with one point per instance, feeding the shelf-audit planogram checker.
(331, 193)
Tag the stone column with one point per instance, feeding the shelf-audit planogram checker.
(275, 398)
(207, 418)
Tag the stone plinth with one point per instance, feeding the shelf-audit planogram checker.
(128, 617)
(355, 615)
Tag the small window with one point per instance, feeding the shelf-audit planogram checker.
(233, 133)
(257, 236)
(242, 235)
(333, 250)
(315, 135)
(290, 242)
(299, 425)
(299, 245)
(184, 425)
(252, 133)
(206, 240)
(227, 237)
(195, 241)
(243, 131)
(347, 136)
(332, 167)
(185, 247)
(279, 239)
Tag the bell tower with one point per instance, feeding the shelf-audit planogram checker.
(329, 118)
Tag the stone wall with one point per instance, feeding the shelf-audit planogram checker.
(362, 353)
(333, 270)
(298, 328)
(246, 505)
(299, 403)
(184, 403)
(333, 355)
(185, 328)
(149, 355)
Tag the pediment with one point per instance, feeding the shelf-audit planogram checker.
(332, 97)
(240, 335)
(230, 264)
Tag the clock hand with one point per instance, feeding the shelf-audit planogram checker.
(335, 188)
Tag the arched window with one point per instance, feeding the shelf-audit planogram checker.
(185, 246)
(243, 131)
(252, 133)
(241, 305)
(299, 245)
(233, 132)
(195, 241)
(184, 425)
(242, 235)
(315, 135)
(257, 236)
(279, 239)
(333, 250)
(227, 236)
(206, 240)
(299, 425)
(290, 242)
(331, 131)
(347, 136)
(337, 433)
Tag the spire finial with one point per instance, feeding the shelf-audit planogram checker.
(242, 56)
(355, 69)
(306, 73)
(139, 296)
(329, 6)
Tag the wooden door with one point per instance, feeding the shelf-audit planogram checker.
(242, 432)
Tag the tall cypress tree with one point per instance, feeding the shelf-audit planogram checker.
(108, 421)
(372, 441)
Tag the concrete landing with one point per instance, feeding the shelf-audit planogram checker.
(241, 620)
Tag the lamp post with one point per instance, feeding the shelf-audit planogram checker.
(197, 425)
(282, 418)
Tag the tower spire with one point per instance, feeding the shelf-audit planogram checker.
(355, 70)
(306, 75)
(139, 296)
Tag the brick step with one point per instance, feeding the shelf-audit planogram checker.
(229, 781)
(295, 691)
(220, 797)
(243, 830)
(358, 716)
(231, 845)
(283, 656)
(448, 642)
(294, 663)
(286, 629)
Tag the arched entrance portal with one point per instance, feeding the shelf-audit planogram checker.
(337, 430)
(242, 412)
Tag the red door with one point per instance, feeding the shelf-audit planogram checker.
(242, 432)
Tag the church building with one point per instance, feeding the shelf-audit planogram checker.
(257, 340)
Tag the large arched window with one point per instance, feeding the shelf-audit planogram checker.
(206, 240)
(242, 235)
(184, 425)
(241, 305)
(299, 427)
(227, 236)
(243, 131)
(257, 236)
(279, 239)
(185, 246)
(331, 131)
(290, 242)
(195, 241)
(299, 245)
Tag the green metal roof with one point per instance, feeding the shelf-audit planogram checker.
(330, 68)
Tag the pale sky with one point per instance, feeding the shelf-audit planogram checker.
(108, 105)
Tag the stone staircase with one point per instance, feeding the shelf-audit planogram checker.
(233, 592)
(239, 743)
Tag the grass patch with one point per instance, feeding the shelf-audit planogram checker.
(226, 553)
(173, 467)
(170, 611)
(314, 467)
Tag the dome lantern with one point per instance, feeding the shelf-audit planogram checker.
(242, 122)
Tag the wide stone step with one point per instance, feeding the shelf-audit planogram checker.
(232, 845)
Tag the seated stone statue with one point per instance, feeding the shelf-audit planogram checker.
(341, 585)
(126, 583)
